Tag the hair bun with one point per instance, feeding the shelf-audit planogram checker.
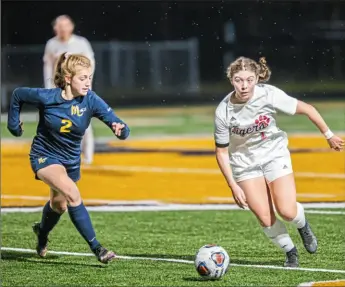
(262, 61)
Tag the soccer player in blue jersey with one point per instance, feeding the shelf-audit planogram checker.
(64, 115)
(66, 41)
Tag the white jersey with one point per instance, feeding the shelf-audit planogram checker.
(250, 129)
(53, 50)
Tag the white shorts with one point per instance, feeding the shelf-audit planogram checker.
(271, 170)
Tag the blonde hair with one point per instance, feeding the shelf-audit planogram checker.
(67, 66)
(261, 70)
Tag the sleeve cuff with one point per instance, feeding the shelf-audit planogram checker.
(222, 145)
(124, 133)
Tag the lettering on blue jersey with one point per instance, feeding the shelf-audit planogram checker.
(76, 111)
(42, 160)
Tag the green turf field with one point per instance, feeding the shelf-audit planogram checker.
(170, 234)
(188, 120)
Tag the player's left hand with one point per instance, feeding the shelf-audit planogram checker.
(336, 143)
(117, 127)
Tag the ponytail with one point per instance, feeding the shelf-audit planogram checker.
(264, 71)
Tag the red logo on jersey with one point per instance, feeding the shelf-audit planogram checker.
(264, 120)
(261, 123)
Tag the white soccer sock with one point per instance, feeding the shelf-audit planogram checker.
(88, 145)
(279, 235)
(299, 220)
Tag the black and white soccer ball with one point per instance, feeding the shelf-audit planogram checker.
(212, 262)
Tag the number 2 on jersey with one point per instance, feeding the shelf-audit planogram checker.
(66, 125)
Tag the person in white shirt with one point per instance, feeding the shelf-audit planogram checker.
(66, 41)
(253, 155)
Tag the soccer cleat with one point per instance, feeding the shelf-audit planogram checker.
(42, 241)
(308, 238)
(291, 258)
(104, 255)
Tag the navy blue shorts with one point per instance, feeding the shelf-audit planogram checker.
(72, 168)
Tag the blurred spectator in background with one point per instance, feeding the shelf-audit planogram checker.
(66, 41)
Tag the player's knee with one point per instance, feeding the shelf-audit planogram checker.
(266, 220)
(59, 206)
(287, 214)
(73, 196)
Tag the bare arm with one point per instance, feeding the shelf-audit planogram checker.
(221, 136)
(289, 105)
(222, 156)
(313, 115)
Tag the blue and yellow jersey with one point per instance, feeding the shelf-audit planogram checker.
(62, 123)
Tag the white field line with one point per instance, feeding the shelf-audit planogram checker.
(306, 195)
(157, 169)
(178, 261)
(34, 117)
(147, 202)
(320, 175)
(310, 284)
(90, 201)
(133, 207)
(333, 212)
(133, 138)
(162, 137)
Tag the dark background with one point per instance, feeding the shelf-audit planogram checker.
(302, 42)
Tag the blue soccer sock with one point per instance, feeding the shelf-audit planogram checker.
(81, 220)
(49, 219)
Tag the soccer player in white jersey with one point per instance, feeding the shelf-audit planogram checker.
(66, 41)
(260, 173)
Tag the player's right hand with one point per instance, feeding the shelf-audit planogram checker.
(239, 196)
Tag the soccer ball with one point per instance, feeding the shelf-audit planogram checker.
(212, 261)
